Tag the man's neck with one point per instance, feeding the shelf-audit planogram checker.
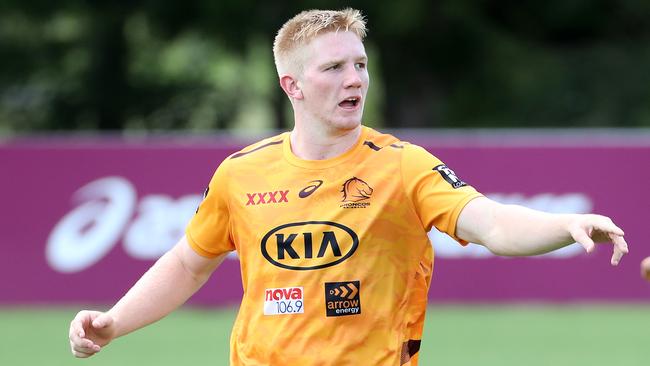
(312, 144)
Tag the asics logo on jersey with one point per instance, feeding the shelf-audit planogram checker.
(309, 245)
(355, 190)
(307, 191)
(267, 197)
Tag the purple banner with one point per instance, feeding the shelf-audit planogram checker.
(83, 219)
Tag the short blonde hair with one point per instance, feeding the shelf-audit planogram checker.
(305, 26)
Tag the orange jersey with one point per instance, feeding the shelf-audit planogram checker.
(335, 258)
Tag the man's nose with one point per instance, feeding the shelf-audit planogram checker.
(353, 78)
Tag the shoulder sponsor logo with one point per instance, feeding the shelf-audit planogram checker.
(265, 198)
(309, 245)
(354, 191)
(342, 298)
(287, 300)
(205, 195)
(449, 176)
(307, 191)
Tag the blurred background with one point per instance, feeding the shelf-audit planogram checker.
(207, 65)
(114, 115)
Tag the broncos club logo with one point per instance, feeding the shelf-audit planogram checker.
(355, 190)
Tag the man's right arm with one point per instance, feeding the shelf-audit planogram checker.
(176, 276)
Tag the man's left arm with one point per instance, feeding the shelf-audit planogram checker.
(512, 230)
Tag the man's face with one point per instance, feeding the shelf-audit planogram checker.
(334, 81)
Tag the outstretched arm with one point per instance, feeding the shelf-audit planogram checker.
(175, 277)
(513, 230)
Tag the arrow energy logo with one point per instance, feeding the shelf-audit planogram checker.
(342, 298)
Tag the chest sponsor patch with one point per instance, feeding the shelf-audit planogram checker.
(287, 300)
(342, 298)
(309, 245)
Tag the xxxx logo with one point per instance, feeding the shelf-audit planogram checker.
(347, 291)
(267, 197)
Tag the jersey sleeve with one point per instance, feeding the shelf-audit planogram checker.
(208, 232)
(437, 194)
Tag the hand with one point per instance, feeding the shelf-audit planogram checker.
(89, 332)
(590, 229)
(645, 269)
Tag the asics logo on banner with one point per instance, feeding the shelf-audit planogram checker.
(302, 246)
(307, 191)
(449, 176)
(267, 197)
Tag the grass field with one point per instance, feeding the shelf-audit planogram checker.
(454, 335)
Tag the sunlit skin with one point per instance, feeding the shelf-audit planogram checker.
(327, 122)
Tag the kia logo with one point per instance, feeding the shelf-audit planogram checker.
(309, 245)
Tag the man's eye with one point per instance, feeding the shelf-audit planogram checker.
(333, 67)
(360, 65)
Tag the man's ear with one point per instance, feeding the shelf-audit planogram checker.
(290, 86)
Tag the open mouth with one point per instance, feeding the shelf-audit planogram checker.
(350, 103)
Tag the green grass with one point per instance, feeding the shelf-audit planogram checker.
(454, 335)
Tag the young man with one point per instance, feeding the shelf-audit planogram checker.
(330, 222)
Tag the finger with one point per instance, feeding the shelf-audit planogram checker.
(603, 224)
(75, 339)
(616, 257)
(610, 227)
(90, 349)
(76, 329)
(79, 354)
(103, 321)
(85, 345)
(80, 322)
(620, 249)
(582, 238)
(618, 231)
(83, 349)
(620, 243)
(76, 333)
